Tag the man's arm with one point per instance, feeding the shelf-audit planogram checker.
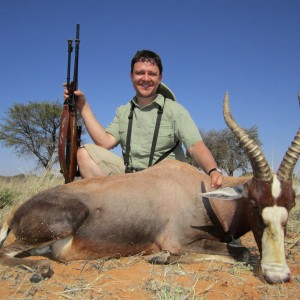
(204, 158)
(94, 128)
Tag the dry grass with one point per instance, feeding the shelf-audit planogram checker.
(18, 189)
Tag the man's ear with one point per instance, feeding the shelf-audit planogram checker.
(228, 193)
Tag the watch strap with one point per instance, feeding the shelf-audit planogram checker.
(214, 169)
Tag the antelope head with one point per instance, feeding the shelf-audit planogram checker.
(271, 197)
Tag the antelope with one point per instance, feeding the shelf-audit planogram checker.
(168, 212)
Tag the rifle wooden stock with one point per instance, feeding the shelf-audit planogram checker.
(69, 133)
(69, 141)
(72, 143)
(63, 132)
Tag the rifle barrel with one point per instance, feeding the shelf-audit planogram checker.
(70, 50)
(77, 42)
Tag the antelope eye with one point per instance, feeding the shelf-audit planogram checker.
(253, 203)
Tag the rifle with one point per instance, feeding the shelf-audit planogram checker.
(70, 132)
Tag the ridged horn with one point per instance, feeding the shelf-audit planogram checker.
(289, 160)
(260, 166)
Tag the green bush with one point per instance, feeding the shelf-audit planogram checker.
(6, 197)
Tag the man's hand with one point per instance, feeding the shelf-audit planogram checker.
(80, 98)
(216, 179)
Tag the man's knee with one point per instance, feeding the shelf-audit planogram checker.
(97, 161)
(82, 155)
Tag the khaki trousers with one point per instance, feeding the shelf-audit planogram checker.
(108, 162)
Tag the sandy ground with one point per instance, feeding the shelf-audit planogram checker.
(134, 278)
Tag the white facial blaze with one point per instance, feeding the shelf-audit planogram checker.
(273, 260)
(276, 188)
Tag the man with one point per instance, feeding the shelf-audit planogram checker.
(157, 129)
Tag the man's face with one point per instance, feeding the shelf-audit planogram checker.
(145, 79)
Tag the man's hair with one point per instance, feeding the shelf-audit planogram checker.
(147, 56)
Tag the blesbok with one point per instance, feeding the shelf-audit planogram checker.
(168, 209)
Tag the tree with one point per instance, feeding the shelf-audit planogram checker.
(32, 130)
(228, 153)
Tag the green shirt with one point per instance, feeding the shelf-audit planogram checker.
(176, 125)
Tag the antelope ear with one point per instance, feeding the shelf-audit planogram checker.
(228, 193)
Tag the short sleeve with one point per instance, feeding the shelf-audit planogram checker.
(185, 128)
(114, 127)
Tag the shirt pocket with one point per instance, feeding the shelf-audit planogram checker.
(165, 139)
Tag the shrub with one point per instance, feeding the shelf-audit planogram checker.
(6, 197)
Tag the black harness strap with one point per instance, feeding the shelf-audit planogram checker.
(155, 135)
(128, 138)
(167, 153)
(128, 168)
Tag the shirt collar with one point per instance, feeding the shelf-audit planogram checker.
(159, 100)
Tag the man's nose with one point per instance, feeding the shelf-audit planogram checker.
(146, 77)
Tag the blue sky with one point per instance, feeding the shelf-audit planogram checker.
(249, 48)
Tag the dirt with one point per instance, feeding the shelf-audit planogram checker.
(135, 278)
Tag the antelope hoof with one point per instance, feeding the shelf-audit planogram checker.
(44, 269)
(161, 259)
(40, 271)
(35, 278)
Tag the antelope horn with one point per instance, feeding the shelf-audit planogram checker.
(289, 160)
(260, 166)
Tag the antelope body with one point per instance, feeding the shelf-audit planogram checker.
(166, 210)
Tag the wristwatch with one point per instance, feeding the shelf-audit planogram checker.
(214, 169)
